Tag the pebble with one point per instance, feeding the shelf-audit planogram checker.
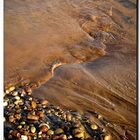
(5, 103)
(17, 102)
(11, 119)
(33, 104)
(79, 135)
(94, 127)
(15, 93)
(59, 131)
(32, 117)
(17, 97)
(33, 129)
(108, 137)
(15, 133)
(11, 89)
(4, 119)
(24, 137)
(44, 102)
(50, 132)
(69, 117)
(22, 123)
(19, 127)
(63, 137)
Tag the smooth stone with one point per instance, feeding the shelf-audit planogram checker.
(11, 119)
(17, 102)
(24, 137)
(15, 93)
(33, 129)
(30, 99)
(32, 117)
(7, 91)
(100, 117)
(59, 131)
(17, 97)
(42, 124)
(11, 88)
(56, 138)
(5, 103)
(18, 116)
(70, 137)
(63, 137)
(16, 134)
(94, 127)
(69, 117)
(50, 132)
(22, 123)
(19, 127)
(79, 135)
(108, 137)
(44, 102)
(33, 104)
(4, 119)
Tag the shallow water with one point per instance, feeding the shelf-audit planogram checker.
(94, 45)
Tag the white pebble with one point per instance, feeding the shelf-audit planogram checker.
(15, 93)
(17, 97)
(5, 104)
(11, 89)
(24, 137)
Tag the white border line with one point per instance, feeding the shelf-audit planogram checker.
(1, 67)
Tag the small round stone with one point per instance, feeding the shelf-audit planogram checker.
(63, 137)
(33, 129)
(18, 116)
(94, 127)
(17, 102)
(32, 117)
(79, 135)
(5, 103)
(16, 134)
(108, 137)
(24, 137)
(59, 131)
(4, 119)
(70, 137)
(44, 102)
(50, 132)
(17, 97)
(19, 127)
(23, 123)
(11, 88)
(69, 117)
(100, 117)
(33, 104)
(15, 93)
(11, 119)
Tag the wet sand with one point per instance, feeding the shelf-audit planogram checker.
(81, 53)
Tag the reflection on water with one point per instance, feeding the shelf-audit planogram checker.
(82, 54)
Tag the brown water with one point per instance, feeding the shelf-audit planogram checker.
(94, 43)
